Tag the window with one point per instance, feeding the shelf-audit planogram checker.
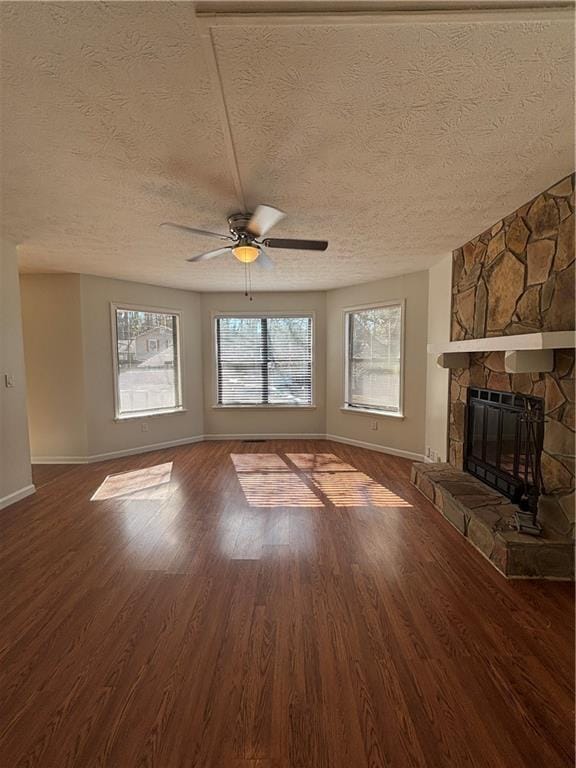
(374, 359)
(147, 361)
(264, 360)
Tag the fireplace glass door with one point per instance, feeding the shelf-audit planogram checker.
(498, 450)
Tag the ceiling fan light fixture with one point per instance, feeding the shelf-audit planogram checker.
(246, 253)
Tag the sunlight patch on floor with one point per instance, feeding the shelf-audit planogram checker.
(258, 462)
(277, 489)
(149, 484)
(267, 481)
(355, 489)
(320, 462)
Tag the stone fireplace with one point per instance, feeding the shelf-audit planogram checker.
(516, 278)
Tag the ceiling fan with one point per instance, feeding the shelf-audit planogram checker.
(245, 229)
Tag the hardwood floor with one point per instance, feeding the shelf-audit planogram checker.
(174, 624)
(42, 474)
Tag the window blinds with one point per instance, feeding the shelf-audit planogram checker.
(264, 360)
(374, 358)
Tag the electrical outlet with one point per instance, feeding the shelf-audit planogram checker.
(9, 380)
(144, 426)
(374, 425)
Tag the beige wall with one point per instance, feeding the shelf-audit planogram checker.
(82, 424)
(69, 358)
(404, 436)
(54, 365)
(15, 473)
(254, 421)
(437, 380)
(106, 435)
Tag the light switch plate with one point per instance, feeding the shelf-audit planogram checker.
(8, 380)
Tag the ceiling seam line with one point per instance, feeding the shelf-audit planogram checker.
(393, 16)
(216, 77)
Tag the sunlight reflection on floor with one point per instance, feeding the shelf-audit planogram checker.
(338, 482)
(255, 462)
(151, 483)
(355, 489)
(322, 462)
(277, 489)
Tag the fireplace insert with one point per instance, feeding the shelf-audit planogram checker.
(503, 446)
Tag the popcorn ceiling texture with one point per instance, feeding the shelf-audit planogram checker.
(518, 277)
(394, 142)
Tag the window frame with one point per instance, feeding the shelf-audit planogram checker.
(215, 315)
(347, 312)
(118, 415)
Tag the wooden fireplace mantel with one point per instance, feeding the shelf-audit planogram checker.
(524, 353)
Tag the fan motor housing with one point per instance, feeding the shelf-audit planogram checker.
(238, 223)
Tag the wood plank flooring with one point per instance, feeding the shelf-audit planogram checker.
(346, 626)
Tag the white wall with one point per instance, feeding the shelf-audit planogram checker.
(254, 421)
(52, 325)
(15, 472)
(438, 379)
(105, 434)
(404, 436)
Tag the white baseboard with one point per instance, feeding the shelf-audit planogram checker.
(115, 454)
(12, 498)
(275, 436)
(200, 438)
(59, 460)
(145, 449)
(375, 447)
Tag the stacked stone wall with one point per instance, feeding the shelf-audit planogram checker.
(517, 278)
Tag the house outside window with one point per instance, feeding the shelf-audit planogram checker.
(374, 358)
(146, 361)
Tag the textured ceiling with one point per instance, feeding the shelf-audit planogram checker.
(397, 142)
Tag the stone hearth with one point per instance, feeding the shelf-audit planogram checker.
(486, 519)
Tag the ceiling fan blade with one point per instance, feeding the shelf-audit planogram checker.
(263, 219)
(264, 260)
(301, 245)
(195, 231)
(210, 255)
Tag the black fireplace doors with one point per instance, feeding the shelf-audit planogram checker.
(504, 436)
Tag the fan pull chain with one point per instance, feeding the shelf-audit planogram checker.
(247, 281)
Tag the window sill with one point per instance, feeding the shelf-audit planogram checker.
(372, 412)
(270, 407)
(148, 414)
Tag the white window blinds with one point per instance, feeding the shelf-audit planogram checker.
(264, 360)
(374, 358)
